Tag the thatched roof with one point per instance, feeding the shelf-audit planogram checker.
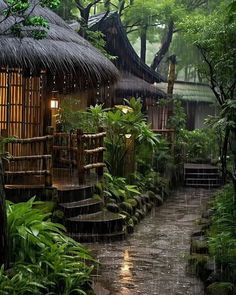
(190, 91)
(129, 85)
(63, 50)
(118, 44)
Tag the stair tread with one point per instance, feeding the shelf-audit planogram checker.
(75, 187)
(199, 166)
(100, 216)
(202, 173)
(203, 184)
(82, 203)
(202, 179)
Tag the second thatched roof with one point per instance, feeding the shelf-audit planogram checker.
(130, 85)
(63, 50)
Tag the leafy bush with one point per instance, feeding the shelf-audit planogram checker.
(199, 144)
(43, 259)
(222, 234)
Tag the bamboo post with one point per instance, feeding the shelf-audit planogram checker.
(100, 154)
(48, 151)
(80, 156)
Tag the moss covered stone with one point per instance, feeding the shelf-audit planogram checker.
(220, 288)
(126, 207)
(113, 207)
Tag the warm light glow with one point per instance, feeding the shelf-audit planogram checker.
(124, 109)
(126, 275)
(54, 103)
(128, 135)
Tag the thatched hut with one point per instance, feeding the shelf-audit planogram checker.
(118, 45)
(32, 71)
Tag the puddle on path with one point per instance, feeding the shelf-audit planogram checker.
(153, 260)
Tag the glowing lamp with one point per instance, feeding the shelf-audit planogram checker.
(128, 135)
(54, 103)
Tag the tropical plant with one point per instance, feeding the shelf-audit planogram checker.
(118, 189)
(40, 253)
(222, 235)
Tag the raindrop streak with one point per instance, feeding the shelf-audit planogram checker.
(153, 260)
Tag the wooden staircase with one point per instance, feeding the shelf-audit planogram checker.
(85, 218)
(202, 175)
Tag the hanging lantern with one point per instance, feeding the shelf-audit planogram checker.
(54, 103)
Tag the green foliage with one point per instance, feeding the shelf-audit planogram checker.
(19, 9)
(44, 260)
(71, 118)
(117, 188)
(222, 235)
(199, 144)
(215, 38)
(178, 119)
(3, 141)
(96, 38)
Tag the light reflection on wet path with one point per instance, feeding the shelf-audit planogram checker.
(153, 260)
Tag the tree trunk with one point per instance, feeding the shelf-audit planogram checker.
(224, 155)
(143, 47)
(171, 75)
(164, 47)
(84, 24)
(3, 222)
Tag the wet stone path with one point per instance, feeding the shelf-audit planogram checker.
(153, 260)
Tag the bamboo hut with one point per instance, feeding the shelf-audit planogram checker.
(32, 71)
(118, 45)
(33, 74)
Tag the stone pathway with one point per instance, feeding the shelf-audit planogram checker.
(153, 260)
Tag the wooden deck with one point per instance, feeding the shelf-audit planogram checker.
(67, 179)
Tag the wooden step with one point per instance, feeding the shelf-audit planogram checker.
(204, 185)
(203, 180)
(102, 222)
(86, 206)
(203, 175)
(69, 193)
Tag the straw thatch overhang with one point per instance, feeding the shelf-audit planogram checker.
(191, 91)
(129, 86)
(117, 44)
(62, 51)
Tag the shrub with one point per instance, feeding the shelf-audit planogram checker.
(43, 259)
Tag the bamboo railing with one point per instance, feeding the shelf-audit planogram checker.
(81, 151)
(29, 159)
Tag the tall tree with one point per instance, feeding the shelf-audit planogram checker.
(214, 36)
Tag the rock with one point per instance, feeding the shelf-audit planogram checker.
(138, 216)
(141, 213)
(149, 206)
(145, 199)
(199, 246)
(127, 207)
(113, 207)
(133, 203)
(130, 226)
(220, 288)
(135, 220)
(197, 264)
(139, 201)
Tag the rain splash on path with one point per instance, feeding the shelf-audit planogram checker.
(153, 260)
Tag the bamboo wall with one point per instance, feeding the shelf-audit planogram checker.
(157, 115)
(21, 106)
